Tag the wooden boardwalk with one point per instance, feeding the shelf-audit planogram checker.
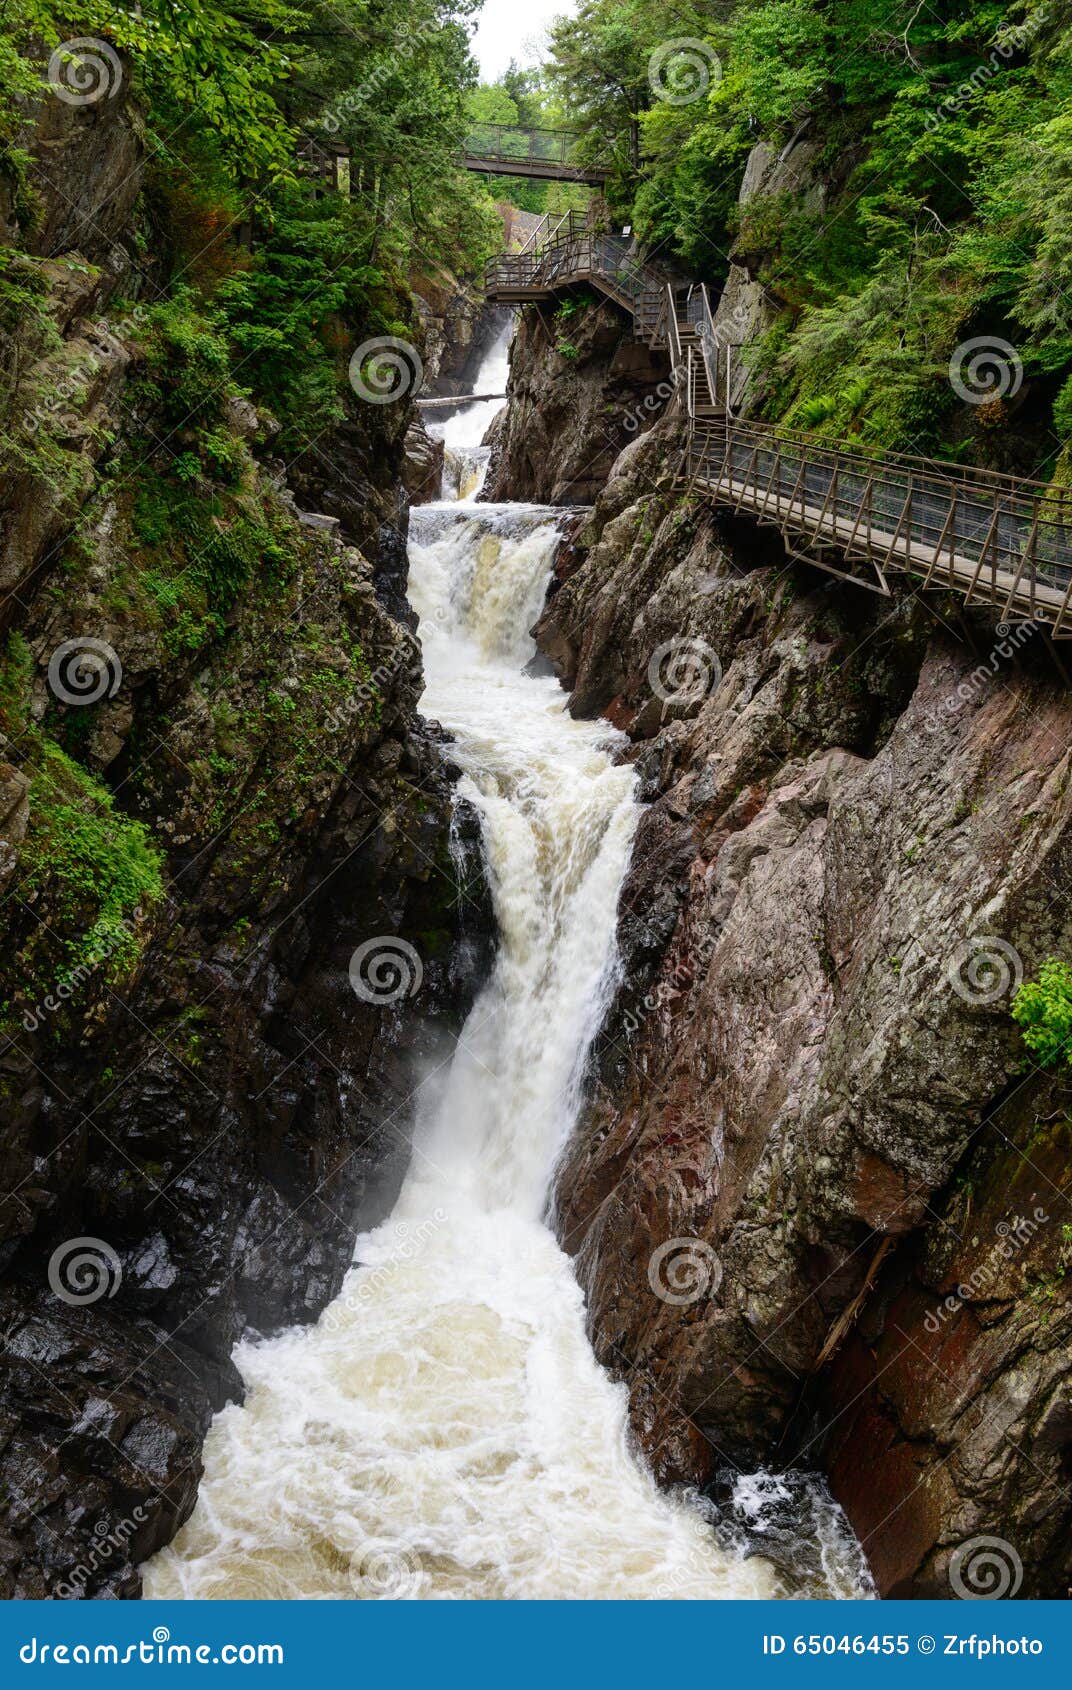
(994, 540)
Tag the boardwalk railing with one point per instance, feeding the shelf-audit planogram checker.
(503, 149)
(989, 537)
(994, 539)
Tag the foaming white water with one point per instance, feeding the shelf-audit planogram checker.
(445, 1430)
(465, 459)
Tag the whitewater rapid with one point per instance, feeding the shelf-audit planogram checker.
(465, 457)
(444, 1431)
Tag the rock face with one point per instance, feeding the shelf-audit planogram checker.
(240, 910)
(423, 472)
(459, 327)
(746, 307)
(949, 1409)
(857, 835)
(580, 389)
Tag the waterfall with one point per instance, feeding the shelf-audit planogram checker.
(465, 457)
(445, 1430)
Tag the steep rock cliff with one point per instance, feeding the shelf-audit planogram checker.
(581, 387)
(857, 836)
(215, 790)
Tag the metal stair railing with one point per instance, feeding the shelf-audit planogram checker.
(992, 538)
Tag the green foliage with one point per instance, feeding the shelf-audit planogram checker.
(227, 90)
(98, 865)
(197, 554)
(284, 313)
(574, 305)
(16, 678)
(34, 412)
(392, 83)
(1043, 1007)
(23, 297)
(215, 64)
(936, 206)
(188, 361)
(224, 94)
(1062, 411)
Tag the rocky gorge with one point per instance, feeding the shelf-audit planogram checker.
(379, 1098)
(810, 1092)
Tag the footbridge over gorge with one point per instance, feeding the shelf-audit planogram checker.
(994, 539)
(502, 149)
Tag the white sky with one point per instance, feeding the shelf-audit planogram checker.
(513, 29)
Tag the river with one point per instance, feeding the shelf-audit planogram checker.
(445, 1431)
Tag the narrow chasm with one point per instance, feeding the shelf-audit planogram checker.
(535, 819)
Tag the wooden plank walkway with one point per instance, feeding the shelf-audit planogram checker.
(998, 545)
(995, 540)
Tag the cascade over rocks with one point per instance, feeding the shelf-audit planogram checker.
(459, 328)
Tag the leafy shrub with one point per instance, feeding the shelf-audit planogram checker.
(1043, 1007)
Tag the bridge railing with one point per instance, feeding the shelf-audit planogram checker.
(978, 532)
(673, 337)
(568, 250)
(990, 537)
(505, 141)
